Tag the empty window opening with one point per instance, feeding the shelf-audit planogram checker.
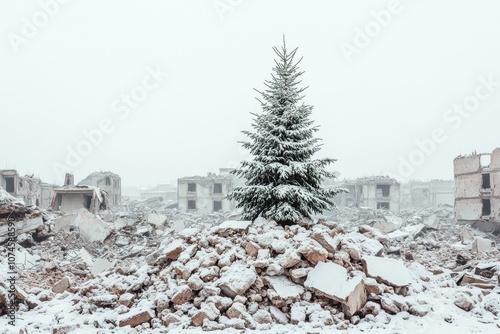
(88, 202)
(192, 187)
(217, 206)
(486, 207)
(191, 204)
(9, 184)
(486, 181)
(383, 190)
(383, 205)
(217, 188)
(108, 181)
(484, 160)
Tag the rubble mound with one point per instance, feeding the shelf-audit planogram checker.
(27, 218)
(258, 275)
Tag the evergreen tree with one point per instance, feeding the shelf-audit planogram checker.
(283, 182)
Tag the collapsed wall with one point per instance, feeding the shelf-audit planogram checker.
(477, 190)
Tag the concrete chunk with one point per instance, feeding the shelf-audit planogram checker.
(237, 280)
(232, 226)
(135, 317)
(388, 271)
(284, 287)
(100, 265)
(432, 222)
(313, 251)
(331, 280)
(61, 286)
(89, 225)
(481, 245)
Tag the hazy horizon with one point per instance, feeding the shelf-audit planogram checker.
(161, 90)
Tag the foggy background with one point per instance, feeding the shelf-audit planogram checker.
(372, 106)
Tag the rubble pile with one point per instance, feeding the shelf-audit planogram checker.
(30, 221)
(151, 274)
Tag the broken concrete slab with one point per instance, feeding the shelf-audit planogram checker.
(388, 271)
(156, 219)
(481, 245)
(61, 286)
(284, 287)
(100, 265)
(332, 281)
(432, 222)
(91, 227)
(476, 280)
(233, 226)
(135, 317)
(466, 235)
(22, 226)
(86, 257)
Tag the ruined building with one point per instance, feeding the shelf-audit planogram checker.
(70, 198)
(477, 190)
(28, 188)
(378, 192)
(207, 194)
(427, 194)
(107, 181)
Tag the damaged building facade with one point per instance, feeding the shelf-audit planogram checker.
(378, 192)
(72, 198)
(28, 188)
(107, 181)
(477, 190)
(207, 194)
(427, 194)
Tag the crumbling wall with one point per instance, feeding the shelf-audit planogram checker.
(47, 192)
(107, 181)
(27, 188)
(70, 202)
(472, 195)
(494, 170)
(468, 180)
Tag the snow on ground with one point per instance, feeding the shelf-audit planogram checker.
(260, 271)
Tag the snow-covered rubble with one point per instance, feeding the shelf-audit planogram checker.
(232, 275)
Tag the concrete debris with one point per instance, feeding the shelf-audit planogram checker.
(90, 227)
(157, 219)
(135, 317)
(232, 226)
(388, 223)
(387, 271)
(100, 265)
(27, 218)
(332, 281)
(61, 286)
(160, 270)
(432, 222)
(481, 245)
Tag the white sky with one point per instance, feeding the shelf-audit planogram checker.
(397, 89)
